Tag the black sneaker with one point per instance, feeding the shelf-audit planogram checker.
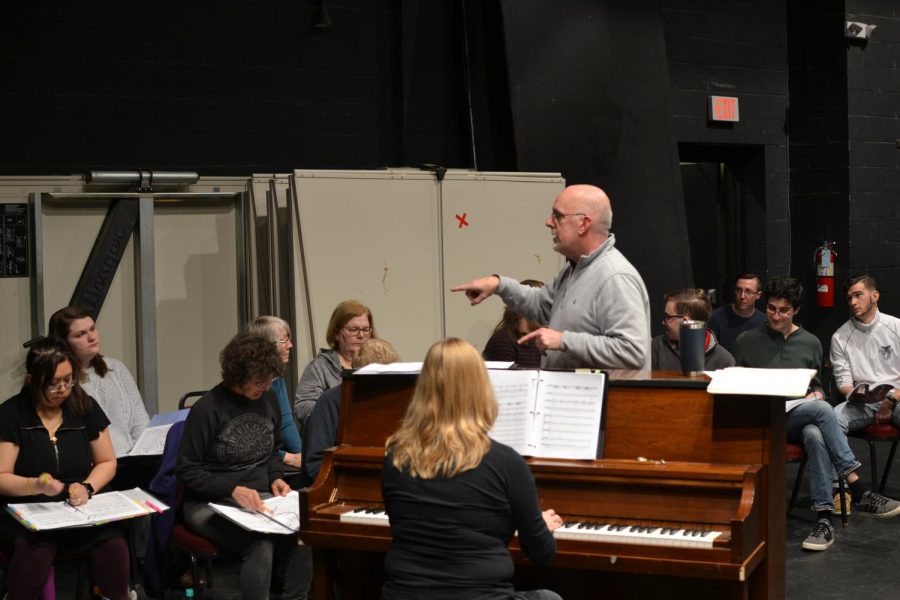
(821, 537)
(874, 504)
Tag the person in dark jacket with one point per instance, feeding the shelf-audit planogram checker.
(229, 455)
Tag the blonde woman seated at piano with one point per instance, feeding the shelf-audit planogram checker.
(454, 496)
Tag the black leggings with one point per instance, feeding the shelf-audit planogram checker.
(32, 559)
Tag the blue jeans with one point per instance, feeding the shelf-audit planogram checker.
(853, 416)
(815, 425)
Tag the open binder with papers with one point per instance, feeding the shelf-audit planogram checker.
(282, 515)
(551, 414)
(102, 508)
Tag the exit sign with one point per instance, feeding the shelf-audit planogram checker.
(723, 108)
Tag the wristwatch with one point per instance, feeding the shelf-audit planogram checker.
(89, 488)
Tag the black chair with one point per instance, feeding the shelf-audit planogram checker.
(186, 400)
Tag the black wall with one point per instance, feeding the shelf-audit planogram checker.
(231, 87)
(604, 91)
(590, 98)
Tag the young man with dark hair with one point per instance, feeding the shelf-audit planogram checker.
(731, 320)
(782, 344)
(865, 358)
(688, 304)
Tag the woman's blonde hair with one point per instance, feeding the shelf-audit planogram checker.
(445, 430)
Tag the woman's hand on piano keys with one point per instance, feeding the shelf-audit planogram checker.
(553, 520)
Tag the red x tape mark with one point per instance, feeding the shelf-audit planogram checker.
(462, 221)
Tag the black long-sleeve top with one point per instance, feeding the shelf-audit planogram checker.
(229, 440)
(450, 534)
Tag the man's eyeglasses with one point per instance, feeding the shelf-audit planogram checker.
(284, 341)
(742, 292)
(358, 330)
(557, 216)
(60, 388)
(667, 317)
(783, 311)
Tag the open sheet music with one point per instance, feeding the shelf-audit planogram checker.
(101, 509)
(283, 516)
(552, 414)
(153, 438)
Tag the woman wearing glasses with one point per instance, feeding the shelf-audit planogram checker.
(278, 332)
(55, 445)
(351, 324)
(229, 454)
(106, 380)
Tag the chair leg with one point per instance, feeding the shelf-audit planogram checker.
(209, 574)
(841, 490)
(796, 489)
(195, 575)
(887, 466)
(874, 465)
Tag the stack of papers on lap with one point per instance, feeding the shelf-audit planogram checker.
(102, 508)
(284, 517)
(790, 383)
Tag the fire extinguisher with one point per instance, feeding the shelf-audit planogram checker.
(825, 256)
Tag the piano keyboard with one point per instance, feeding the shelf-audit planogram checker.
(636, 534)
(585, 531)
(366, 516)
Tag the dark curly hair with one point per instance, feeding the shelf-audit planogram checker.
(249, 357)
(786, 288)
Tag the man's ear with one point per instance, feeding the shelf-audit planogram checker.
(875, 296)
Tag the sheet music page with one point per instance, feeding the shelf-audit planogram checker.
(152, 441)
(113, 506)
(791, 383)
(570, 407)
(515, 392)
(108, 506)
(41, 516)
(145, 498)
(400, 368)
(285, 517)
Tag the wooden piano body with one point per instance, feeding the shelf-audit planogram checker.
(712, 461)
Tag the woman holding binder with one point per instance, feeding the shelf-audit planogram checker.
(453, 495)
(229, 455)
(55, 446)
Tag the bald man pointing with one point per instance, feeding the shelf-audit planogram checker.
(596, 311)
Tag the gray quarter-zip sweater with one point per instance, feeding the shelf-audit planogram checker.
(599, 303)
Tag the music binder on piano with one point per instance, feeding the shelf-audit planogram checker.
(694, 517)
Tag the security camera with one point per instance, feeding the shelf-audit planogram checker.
(855, 30)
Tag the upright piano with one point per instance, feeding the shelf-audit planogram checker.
(687, 499)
